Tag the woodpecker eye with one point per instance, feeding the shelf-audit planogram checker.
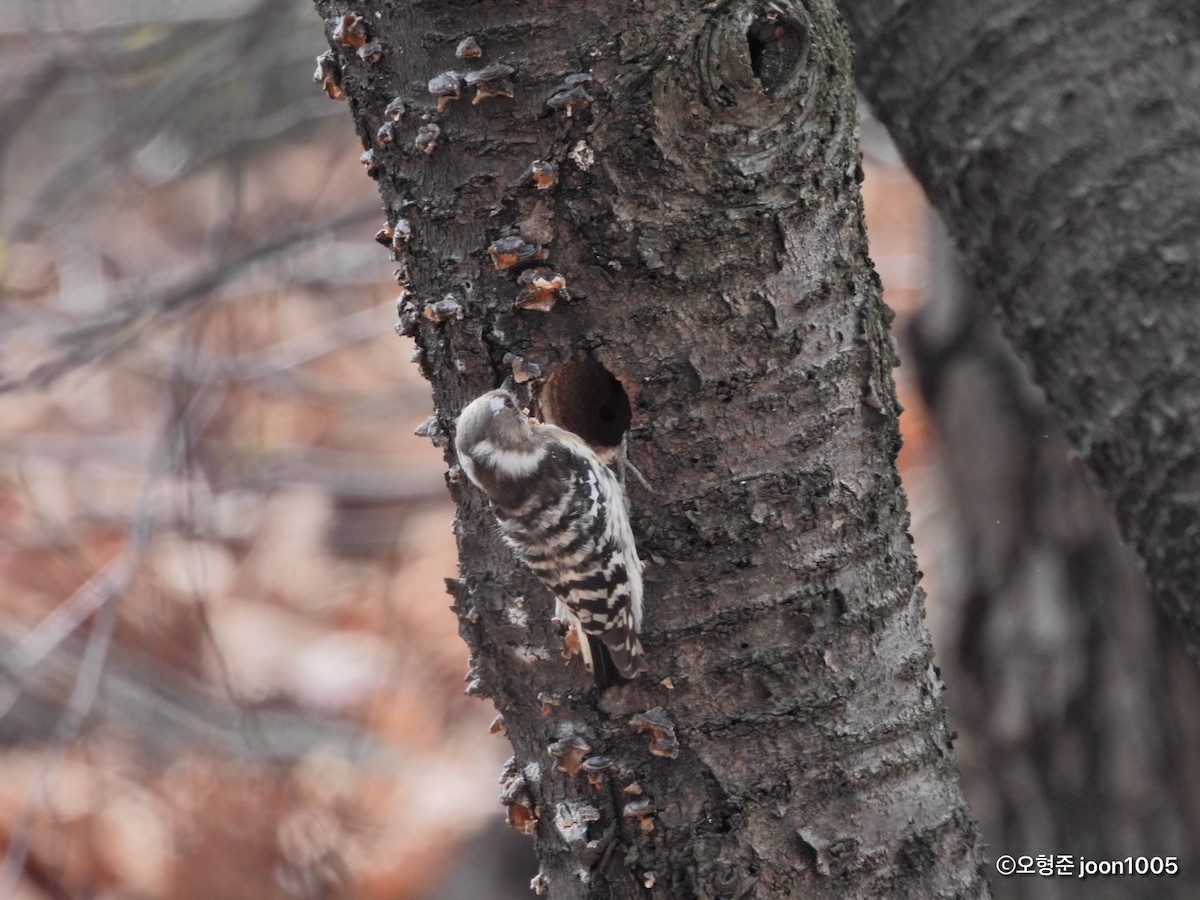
(508, 402)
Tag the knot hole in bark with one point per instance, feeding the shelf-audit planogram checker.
(756, 54)
(778, 46)
(584, 397)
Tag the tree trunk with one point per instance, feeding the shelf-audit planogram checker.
(1059, 143)
(1074, 697)
(697, 195)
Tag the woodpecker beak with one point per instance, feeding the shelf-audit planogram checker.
(509, 384)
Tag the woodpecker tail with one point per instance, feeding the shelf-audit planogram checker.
(610, 666)
(604, 671)
(625, 652)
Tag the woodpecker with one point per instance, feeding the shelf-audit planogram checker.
(563, 512)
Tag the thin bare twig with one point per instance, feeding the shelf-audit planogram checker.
(210, 60)
(83, 696)
(60, 623)
(116, 328)
(105, 599)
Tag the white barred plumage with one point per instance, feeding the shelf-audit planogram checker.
(563, 511)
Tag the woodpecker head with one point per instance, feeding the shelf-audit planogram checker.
(495, 438)
(495, 416)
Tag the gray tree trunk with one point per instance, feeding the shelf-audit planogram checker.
(1061, 144)
(705, 219)
(1074, 697)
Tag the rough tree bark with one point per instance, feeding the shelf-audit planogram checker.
(1074, 696)
(1061, 143)
(697, 195)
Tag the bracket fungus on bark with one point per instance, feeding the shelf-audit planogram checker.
(370, 52)
(329, 76)
(350, 31)
(395, 110)
(407, 325)
(522, 369)
(491, 81)
(523, 813)
(507, 252)
(641, 811)
(541, 289)
(404, 301)
(446, 87)
(541, 173)
(402, 233)
(427, 138)
(570, 753)
(596, 767)
(570, 100)
(662, 732)
(570, 638)
(448, 309)
(431, 428)
(468, 48)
